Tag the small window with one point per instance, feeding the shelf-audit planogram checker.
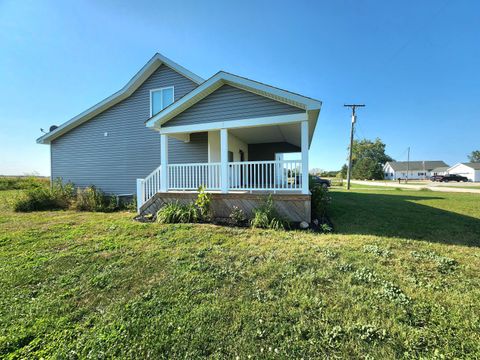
(160, 99)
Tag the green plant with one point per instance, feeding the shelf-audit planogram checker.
(320, 200)
(376, 250)
(267, 217)
(203, 203)
(237, 216)
(325, 228)
(93, 199)
(173, 213)
(59, 196)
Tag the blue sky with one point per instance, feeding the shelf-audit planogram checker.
(414, 63)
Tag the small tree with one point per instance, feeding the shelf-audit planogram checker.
(342, 174)
(474, 156)
(368, 158)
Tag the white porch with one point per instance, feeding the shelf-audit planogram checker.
(229, 168)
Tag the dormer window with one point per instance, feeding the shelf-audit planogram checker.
(160, 99)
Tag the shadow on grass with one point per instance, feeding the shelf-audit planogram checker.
(398, 215)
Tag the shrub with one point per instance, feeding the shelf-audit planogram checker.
(320, 200)
(58, 196)
(93, 199)
(237, 216)
(175, 212)
(266, 217)
(203, 204)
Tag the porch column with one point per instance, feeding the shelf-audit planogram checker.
(224, 160)
(304, 144)
(164, 162)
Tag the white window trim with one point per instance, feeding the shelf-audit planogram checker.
(160, 89)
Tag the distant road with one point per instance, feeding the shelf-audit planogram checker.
(431, 186)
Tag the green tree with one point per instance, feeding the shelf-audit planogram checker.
(474, 156)
(367, 168)
(342, 174)
(368, 158)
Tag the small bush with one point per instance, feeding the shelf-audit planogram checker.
(237, 216)
(58, 196)
(93, 199)
(203, 204)
(174, 213)
(320, 200)
(266, 217)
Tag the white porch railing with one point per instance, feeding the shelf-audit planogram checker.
(246, 175)
(192, 176)
(265, 175)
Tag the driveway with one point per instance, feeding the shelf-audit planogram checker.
(440, 187)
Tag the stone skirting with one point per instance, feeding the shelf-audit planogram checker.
(294, 207)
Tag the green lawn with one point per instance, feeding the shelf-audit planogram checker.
(399, 278)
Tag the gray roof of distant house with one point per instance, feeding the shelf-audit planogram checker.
(475, 166)
(440, 169)
(417, 165)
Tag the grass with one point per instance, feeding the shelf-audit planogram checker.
(400, 278)
(22, 182)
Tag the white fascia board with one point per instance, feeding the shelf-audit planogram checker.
(147, 70)
(226, 78)
(235, 124)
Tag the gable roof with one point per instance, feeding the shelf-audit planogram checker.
(311, 106)
(475, 166)
(139, 78)
(416, 165)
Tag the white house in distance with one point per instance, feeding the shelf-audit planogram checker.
(416, 170)
(469, 170)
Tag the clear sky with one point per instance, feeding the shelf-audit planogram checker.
(415, 64)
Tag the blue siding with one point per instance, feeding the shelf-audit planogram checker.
(130, 150)
(231, 103)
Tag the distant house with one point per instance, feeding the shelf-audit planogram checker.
(417, 170)
(469, 170)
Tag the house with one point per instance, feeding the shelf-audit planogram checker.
(469, 170)
(168, 131)
(416, 170)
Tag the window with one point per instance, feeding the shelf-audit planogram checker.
(160, 99)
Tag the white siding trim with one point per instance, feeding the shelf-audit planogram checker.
(232, 124)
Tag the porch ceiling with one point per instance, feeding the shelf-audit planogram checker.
(268, 134)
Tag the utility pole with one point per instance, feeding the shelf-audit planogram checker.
(354, 119)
